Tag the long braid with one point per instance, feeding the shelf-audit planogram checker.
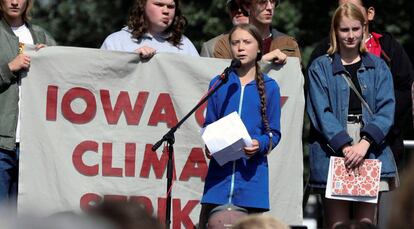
(262, 93)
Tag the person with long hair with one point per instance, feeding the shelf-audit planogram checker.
(349, 122)
(153, 26)
(385, 46)
(256, 98)
(15, 31)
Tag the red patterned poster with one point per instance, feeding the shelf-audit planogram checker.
(363, 182)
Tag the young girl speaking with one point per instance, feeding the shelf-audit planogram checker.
(256, 98)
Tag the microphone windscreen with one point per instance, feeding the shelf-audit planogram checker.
(235, 63)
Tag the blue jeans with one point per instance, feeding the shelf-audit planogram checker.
(9, 173)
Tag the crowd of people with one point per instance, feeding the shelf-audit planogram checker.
(359, 87)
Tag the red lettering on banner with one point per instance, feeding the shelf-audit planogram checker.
(159, 165)
(130, 155)
(119, 198)
(183, 215)
(196, 166)
(79, 93)
(88, 200)
(51, 103)
(77, 161)
(123, 104)
(283, 100)
(163, 112)
(107, 158)
(107, 169)
(199, 114)
(179, 216)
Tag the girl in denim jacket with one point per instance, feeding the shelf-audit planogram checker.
(341, 124)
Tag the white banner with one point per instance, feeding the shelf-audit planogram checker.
(89, 118)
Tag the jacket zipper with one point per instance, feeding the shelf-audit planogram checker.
(234, 162)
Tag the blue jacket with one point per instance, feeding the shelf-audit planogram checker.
(327, 107)
(244, 182)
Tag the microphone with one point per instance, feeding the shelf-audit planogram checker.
(235, 63)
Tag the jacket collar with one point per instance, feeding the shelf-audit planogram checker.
(235, 77)
(337, 66)
(276, 33)
(4, 25)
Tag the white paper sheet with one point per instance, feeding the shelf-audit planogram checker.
(226, 138)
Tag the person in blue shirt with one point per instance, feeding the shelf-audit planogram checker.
(346, 124)
(256, 98)
(153, 26)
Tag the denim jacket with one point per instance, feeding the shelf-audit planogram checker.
(327, 107)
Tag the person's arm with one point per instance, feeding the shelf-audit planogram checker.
(252, 150)
(105, 45)
(41, 37)
(189, 47)
(49, 41)
(354, 155)
(146, 52)
(7, 76)
(112, 42)
(319, 108)
(287, 45)
(276, 56)
(384, 109)
(273, 110)
(403, 76)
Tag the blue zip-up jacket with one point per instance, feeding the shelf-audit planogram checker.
(327, 107)
(244, 182)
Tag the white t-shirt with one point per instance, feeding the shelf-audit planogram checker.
(24, 35)
(123, 41)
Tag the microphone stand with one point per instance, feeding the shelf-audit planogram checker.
(170, 139)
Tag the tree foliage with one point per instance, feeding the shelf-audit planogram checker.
(86, 23)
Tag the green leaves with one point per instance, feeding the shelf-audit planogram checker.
(87, 23)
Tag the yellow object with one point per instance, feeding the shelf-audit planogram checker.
(21, 48)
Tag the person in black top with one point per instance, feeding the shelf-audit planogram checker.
(387, 47)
